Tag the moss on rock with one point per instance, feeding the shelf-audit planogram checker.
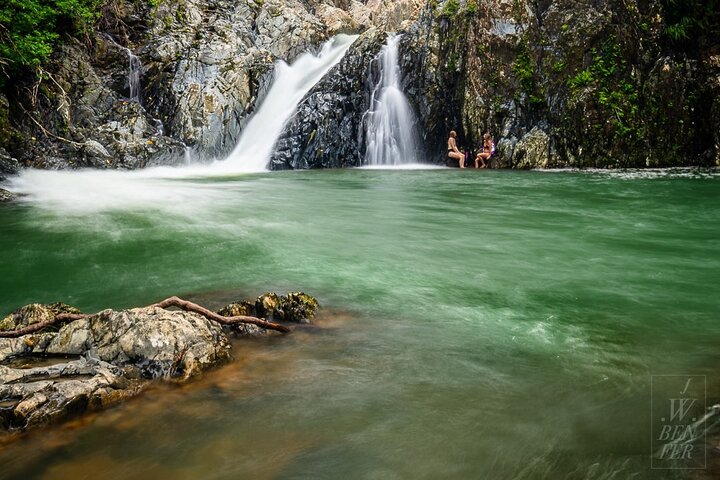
(34, 313)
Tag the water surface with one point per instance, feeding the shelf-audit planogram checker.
(488, 324)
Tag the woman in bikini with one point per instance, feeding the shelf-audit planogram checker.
(485, 153)
(453, 151)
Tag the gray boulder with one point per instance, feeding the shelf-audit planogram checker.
(161, 343)
(6, 196)
(8, 165)
(532, 151)
(120, 351)
(44, 395)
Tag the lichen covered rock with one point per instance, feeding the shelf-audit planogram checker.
(161, 343)
(297, 307)
(43, 395)
(34, 313)
(120, 350)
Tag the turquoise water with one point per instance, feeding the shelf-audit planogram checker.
(489, 324)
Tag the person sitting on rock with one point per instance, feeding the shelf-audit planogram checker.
(485, 153)
(453, 151)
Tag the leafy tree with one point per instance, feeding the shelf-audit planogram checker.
(30, 29)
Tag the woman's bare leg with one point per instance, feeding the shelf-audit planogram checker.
(459, 157)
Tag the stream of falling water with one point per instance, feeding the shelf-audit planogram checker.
(290, 85)
(389, 124)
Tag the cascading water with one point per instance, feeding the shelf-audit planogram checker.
(290, 85)
(134, 75)
(92, 190)
(389, 124)
(134, 69)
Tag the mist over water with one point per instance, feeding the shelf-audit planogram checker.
(172, 187)
(479, 324)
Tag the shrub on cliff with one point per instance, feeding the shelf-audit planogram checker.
(30, 29)
(690, 23)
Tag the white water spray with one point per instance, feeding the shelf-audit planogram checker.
(389, 124)
(175, 188)
(290, 85)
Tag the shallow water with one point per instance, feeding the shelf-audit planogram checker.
(489, 324)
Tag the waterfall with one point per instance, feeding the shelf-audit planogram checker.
(98, 190)
(134, 70)
(390, 136)
(134, 75)
(290, 84)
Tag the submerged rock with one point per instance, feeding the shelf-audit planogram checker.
(116, 352)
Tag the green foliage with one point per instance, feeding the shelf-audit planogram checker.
(581, 79)
(680, 31)
(617, 94)
(30, 29)
(688, 20)
(471, 7)
(524, 69)
(450, 9)
(452, 63)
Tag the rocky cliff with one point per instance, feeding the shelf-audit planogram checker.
(568, 83)
(557, 83)
(155, 82)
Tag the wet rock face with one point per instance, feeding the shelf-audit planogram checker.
(209, 61)
(8, 165)
(570, 84)
(204, 66)
(327, 130)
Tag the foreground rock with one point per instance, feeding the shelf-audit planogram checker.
(101, 359)
(120, 351)
(295, 307)
(44, 395)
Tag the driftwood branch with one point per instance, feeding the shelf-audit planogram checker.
(167, 303)
(194, 307)
(36, 327)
